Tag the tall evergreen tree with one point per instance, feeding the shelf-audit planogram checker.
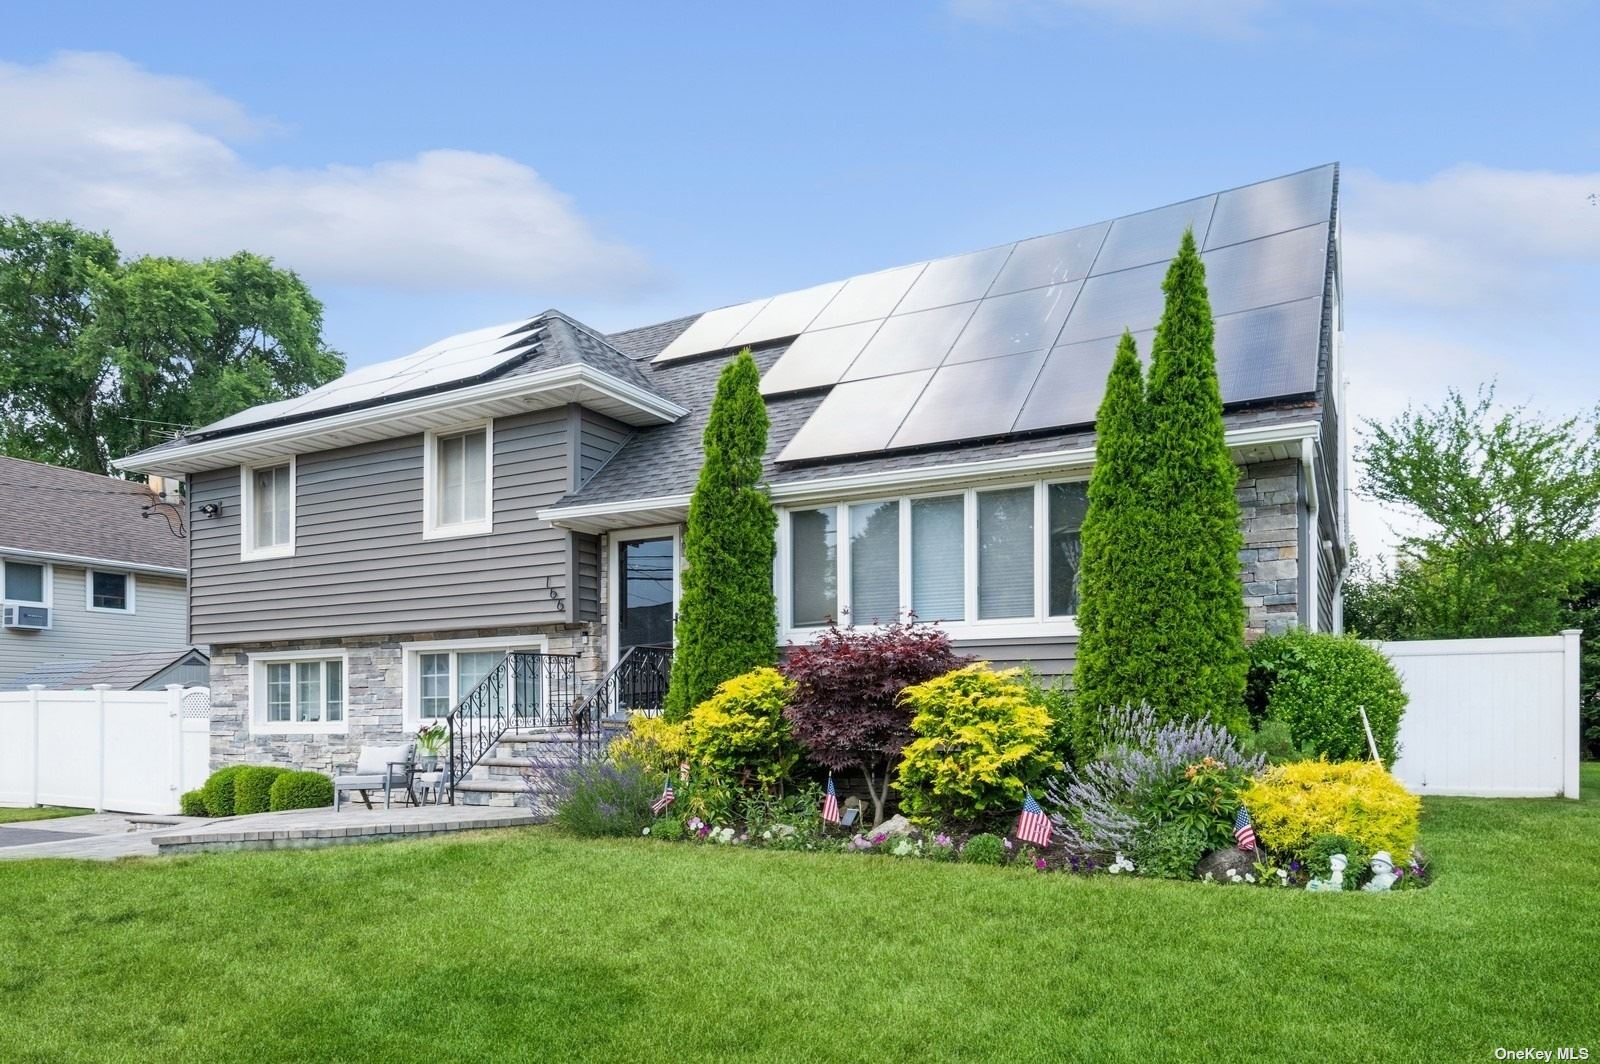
(727, 618)
(1114, 615)
(1198, 668)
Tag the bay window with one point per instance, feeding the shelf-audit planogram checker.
(984, 559)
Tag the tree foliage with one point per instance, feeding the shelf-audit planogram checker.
(727, 616)
(101, 357)
(1507, 506)
(846, 709)
(1115, 616)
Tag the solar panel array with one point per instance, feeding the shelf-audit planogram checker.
(451, 360)
(1020, 337)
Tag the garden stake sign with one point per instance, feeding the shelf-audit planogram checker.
(1372, 744)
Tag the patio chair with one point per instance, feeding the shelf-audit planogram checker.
(388, 767)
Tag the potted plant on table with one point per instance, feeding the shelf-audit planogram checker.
(430, 744)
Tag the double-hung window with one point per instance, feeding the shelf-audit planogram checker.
(109, 592)
(267, 521)
(459, 482)
(303, 692)
(979, 560)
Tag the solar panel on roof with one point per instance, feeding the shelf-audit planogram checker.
(1020, 321)
(958, 279)
(1152, 236)
(1270, 351)
(817, 359)
(856, 416)
(869, 297)
(1112, 302)
(1072, 383)
(910, 341)
(1274, 206)
(786, 315)
(983, 398)
(1052, 259)
(1269, 269)
(712, 331)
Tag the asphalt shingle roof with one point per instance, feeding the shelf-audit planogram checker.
(122, 672)
(67, 511)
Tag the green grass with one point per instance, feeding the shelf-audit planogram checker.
(519, 945)
(9, 815)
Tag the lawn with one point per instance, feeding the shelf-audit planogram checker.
(521, 945)
(9, 815)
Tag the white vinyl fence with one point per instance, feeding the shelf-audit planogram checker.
(129, 751)
(1489, 717)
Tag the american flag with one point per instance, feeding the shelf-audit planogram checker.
(666, 799)
(830, 803)
(1243, 831)
(1033, 826)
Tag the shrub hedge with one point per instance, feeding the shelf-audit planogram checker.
(741, 734)
(654, 742)
(1294, 805)
(192, 803)
(300, 790)
(218, 790)
(1316, 683)
(252, 789)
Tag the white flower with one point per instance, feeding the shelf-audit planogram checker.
(1121, 864)
(1249, 877)
(646, 831)
(1283, 874)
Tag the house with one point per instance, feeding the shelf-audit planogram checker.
(365, 554)
(137, 670)
(92, 566)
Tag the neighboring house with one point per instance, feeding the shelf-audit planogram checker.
(364, 554)
(139, 670)
(85, 573)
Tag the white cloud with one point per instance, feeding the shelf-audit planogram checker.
(152, 159)
(1468, 236)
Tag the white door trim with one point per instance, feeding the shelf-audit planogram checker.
(673, 532)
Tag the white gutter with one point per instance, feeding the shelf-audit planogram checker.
(916, 479)
(655, 408)
(92, 563)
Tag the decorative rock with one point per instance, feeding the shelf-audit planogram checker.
(782, 831)
(894, 827)
(1222, 865)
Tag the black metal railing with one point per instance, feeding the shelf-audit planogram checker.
(527, 689)
(637, 683)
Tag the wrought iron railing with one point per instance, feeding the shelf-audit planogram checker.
(527, 689)
(637, 683)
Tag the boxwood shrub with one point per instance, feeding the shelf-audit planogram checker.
(1316, 683)
(300, 790)
(192, 803)
(252, 789)
(218, 790)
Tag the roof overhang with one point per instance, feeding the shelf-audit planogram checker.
(557, 386)
(88, 562)
(1272, 441)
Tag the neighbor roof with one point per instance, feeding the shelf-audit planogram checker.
(69, 514)
(121, 672)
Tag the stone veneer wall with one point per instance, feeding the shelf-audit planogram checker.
(375, 708)
(1270, 515)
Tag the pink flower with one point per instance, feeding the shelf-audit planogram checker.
(1038, 862)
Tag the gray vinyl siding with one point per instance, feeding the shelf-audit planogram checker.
(77, 633)
(1049, 656)
(586, 576)
(361, 565)
(599, 437)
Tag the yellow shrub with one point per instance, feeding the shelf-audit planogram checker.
(1293, 804)
(654, 742)
(741, 734)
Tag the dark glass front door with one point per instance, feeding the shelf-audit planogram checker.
(644, 593)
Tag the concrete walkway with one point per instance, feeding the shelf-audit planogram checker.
(108, 836)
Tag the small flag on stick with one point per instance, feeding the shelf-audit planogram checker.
(666, 799)
(1244, 831)
(1033, 826)
(830, 803)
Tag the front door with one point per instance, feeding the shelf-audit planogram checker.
(645, 592)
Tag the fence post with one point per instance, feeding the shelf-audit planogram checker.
(174, 745)
(33, 705)
(1571, 710)
(100, 690)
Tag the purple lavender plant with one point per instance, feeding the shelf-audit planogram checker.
(1096, 806)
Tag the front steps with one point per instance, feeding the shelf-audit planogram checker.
(521, 769)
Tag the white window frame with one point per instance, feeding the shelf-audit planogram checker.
(431, 528)
(257, 665)
(248, 550)
(1040, 623)
(88, 592)
(411, 699)
(613, 575)
(49, 589)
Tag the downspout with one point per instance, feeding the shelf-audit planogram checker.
(1309, 557)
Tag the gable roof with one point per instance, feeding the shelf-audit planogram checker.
(120, 672)
(70, 515)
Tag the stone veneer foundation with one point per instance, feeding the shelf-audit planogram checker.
(1269, 564)
(375, 683)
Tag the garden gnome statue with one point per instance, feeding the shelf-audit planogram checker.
(1335, 880)
(1383, 876)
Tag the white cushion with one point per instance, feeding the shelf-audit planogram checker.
(377, 758)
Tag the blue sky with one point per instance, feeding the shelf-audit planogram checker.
(432, 169)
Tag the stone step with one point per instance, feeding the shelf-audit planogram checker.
(502, 792)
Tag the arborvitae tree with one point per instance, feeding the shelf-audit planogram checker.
(1197, 666)
(727, 618)
(1113, 614)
